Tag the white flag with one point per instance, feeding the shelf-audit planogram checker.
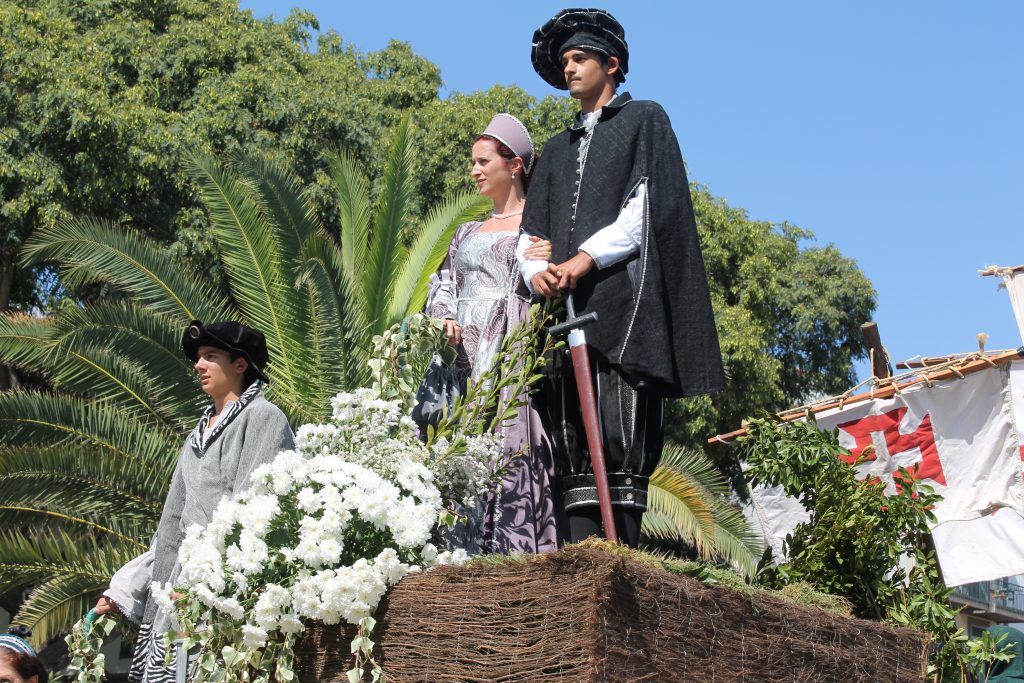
(957, 435)
(1015, 286)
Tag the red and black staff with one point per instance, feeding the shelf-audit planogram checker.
(588, 407)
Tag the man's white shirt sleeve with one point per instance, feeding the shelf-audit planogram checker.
(621, 239)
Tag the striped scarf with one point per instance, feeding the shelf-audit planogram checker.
(204, 435)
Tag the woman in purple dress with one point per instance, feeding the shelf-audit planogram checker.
(480, 296)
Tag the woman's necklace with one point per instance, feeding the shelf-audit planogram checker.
(507, 215)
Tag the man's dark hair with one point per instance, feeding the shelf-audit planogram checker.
(603, 58)
(250, 375)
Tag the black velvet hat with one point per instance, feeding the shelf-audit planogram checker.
(230, 336)
(595, 30)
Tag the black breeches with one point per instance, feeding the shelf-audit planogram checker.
(632, 435)
(585, 522)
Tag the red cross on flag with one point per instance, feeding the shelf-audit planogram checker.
(960, 436)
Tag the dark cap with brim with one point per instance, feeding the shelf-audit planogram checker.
(230, 336)
(594, 30)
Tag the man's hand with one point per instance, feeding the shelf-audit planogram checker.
(105, 605)
(571, 271)
(545, 283)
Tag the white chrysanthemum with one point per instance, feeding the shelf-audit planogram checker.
(253, 636)
(428, 554)
(248, 555)
(258, 512)
(308, 500)
(455, 557)
(290, 624)
(270, 605)
(161, 593)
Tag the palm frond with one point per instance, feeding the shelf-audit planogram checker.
(26, 342)
(148, 342)
(68, 574)
(30, 418)
(688, 501)
(139, 486)
(252, 258)
(29, 558)
(338, 311)
(283, 203)
(90, 250)
(696, 465)
(387, 250)
(107, 377)
(75, 494)
(735, 541)
(353, 191)
(40, 518)
(676, 498)
(429, 249)
(53, 606)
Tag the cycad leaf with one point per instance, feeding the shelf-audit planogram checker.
(353, 191)
(387, 250)
(90, 250)
(429, 249)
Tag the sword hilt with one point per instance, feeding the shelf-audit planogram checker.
(572, 322)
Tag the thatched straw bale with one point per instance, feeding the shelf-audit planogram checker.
(584, 614)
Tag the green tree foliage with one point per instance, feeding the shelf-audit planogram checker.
(873, 549)
(85, 465)
(788, 314)
(102, 101)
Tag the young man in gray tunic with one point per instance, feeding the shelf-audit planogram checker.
(612, 196)
(240, 431)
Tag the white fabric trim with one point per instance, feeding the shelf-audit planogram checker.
(528, 267)
(621, 239)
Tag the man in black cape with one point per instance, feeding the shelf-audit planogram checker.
(612, 196)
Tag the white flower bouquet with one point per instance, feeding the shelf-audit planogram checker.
(325, 529)
(320, 534)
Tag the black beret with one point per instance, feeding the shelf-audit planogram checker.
(230, 336)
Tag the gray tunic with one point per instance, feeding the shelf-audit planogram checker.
(200, 480)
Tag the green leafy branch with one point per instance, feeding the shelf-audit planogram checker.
(870, 547)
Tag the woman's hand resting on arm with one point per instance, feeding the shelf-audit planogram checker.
(452, 332)
(539, 250)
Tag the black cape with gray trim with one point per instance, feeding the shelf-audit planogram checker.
(655, 322)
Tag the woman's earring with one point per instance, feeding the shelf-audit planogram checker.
(513, 174)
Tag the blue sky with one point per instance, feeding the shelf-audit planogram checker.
(890, 129)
